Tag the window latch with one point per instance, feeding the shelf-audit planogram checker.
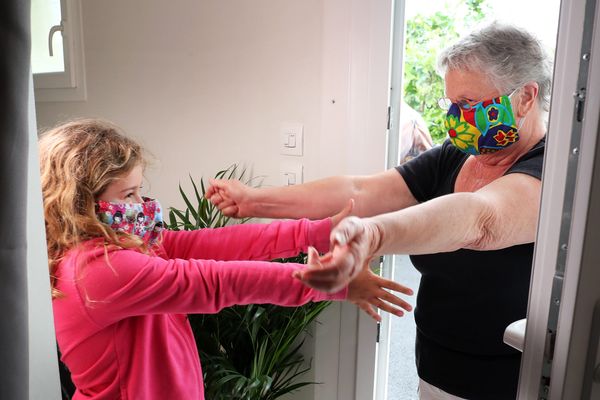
(56, 28)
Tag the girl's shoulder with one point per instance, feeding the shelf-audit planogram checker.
(95, 252)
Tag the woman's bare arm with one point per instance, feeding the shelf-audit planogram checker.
(372, 194)
(502, 214)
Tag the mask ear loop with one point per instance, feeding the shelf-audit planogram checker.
(525, 116)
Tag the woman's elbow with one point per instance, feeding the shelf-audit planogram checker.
(486, 233)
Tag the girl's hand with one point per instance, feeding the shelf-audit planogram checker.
(346, 211)
(326, 273)
(368, 292)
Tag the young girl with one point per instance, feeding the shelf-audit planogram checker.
(120, 300)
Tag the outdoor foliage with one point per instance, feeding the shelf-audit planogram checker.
(426, 35)
(248, 352)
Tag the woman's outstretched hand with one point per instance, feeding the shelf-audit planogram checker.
(353, 242)
(229, 196)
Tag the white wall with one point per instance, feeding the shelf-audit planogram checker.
(44, 383)
(204, 84)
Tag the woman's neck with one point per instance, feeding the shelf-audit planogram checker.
(529, 135)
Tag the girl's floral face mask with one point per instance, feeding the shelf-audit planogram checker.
(141, 219)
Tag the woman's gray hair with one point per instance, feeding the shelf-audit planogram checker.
(509, 55)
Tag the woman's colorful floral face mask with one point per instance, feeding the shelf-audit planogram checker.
(482, 128)
(141, 219)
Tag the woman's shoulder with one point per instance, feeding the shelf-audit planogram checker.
(535, 151)
(531, 163)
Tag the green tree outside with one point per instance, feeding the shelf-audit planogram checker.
(426, 35)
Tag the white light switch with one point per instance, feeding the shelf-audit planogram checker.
(290, 173)
(290, 178)
(291, 139)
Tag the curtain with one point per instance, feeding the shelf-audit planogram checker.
(14, 98)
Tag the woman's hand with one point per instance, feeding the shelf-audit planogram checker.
(230, 196)
(368, 292)
(354, 242)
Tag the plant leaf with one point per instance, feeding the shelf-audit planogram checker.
(249, 352)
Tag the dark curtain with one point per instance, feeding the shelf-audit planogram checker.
(14, 99)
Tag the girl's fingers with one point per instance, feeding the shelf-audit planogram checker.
(314, 262)
(393, 299)
(390, 298)
(326, 258)
(395, 286)
(387, 307)
(347, 210)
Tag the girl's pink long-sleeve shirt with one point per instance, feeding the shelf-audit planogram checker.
(121, 325)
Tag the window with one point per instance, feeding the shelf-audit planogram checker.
(57, 50)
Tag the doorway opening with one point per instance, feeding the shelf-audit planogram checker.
(420, 31)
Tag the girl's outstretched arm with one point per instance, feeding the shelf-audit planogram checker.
(278, 239)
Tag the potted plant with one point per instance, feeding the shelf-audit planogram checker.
(248, 352)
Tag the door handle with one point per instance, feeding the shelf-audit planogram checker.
(56, 28)
(514, 334)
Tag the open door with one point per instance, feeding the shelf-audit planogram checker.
(560, 359)
(395, 376)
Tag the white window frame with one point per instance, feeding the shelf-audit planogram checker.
(68, 85)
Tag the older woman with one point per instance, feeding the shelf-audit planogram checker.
(465, 211)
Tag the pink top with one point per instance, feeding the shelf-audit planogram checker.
(122, 327)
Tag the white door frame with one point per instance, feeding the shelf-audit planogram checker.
(355, 76)
(566, 277)
(393, 144)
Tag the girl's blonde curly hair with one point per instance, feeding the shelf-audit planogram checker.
(78, 160)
